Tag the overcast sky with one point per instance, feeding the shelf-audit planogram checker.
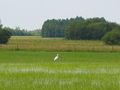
(31, 14)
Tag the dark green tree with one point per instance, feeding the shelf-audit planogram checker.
(112, 37)
(4, 35)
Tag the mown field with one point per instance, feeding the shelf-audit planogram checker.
(36, 43)
(26, 63)
(28, 70)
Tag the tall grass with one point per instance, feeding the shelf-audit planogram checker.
(55, 44)
(27, 70)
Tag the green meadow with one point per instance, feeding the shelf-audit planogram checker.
(22, 68)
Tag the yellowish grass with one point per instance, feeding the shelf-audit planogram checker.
(55, 44)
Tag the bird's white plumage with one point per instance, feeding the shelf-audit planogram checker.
(56, 57)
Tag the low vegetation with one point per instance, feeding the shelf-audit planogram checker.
(27, 70)
(36, 43)
(21, 69)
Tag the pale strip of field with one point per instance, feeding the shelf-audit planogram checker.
(32, 68)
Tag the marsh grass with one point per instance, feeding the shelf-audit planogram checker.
(25, 64)
(28, 70)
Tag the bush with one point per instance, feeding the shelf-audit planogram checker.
(112, 37)
(4, 35)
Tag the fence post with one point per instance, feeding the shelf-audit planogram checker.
(112, 48)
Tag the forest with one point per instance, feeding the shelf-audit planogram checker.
(83, 29)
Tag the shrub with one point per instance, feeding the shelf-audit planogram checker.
(112, 37)
(4, 35)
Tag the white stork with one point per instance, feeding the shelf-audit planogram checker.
(56, 57)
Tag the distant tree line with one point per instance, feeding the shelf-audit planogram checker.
(79, 28)
(22, 32)
(89, 29)
(7, 32)
(56, 28)
(72, 29)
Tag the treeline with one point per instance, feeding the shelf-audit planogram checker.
(89, 29)
(77, 28)
(22, 32)
(56, 28)
(6, 33)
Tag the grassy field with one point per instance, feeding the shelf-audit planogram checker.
(28, 70)
(26, 64)
(36, 43)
